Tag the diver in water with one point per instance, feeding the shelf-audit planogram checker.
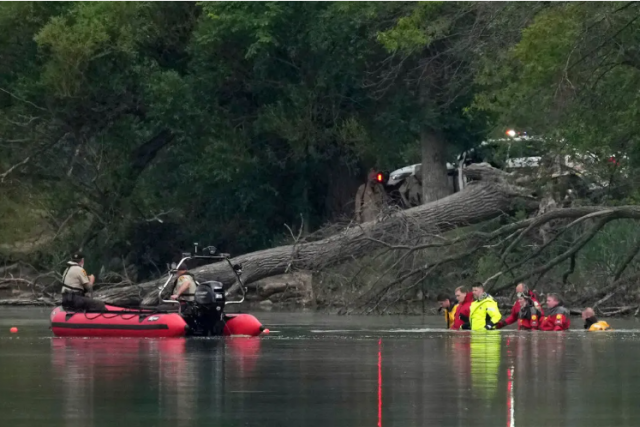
(484, 312)
(515, 310)
(529, 313)
(591, 322)
(465, 298)
(557, 315)
(450, 307)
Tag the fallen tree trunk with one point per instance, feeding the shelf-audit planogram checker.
(28, 302)
(478, 202)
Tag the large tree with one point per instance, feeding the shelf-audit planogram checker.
(433, 49)
(89, 101)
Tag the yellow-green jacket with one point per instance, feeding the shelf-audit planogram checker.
(483, 312)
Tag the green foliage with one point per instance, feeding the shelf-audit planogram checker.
(424, 24)
(573, 77)
(227, 120)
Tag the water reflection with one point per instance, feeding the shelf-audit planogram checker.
(181, 377)
(485, 363)
(367, 378)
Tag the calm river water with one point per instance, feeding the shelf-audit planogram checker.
(321, 371)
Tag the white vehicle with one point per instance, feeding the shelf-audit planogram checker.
(517, 152)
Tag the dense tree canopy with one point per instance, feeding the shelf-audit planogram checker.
(133, 129)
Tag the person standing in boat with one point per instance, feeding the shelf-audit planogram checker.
(184, 287)
(75, 284)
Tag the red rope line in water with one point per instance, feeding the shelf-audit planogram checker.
(380, 382)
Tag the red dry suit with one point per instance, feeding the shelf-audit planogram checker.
(530, 316)
(557, 319)
(515, 312)
(463, 313)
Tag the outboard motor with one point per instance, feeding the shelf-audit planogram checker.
(210, 294)
(208, 309)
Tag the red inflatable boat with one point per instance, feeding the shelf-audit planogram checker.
(121, 322)
(204, 316)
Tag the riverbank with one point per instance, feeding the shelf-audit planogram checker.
(327, 292)
(425, 307)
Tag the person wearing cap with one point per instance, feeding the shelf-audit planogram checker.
(557, 318)
(514, 316)
(591, 322)
(184, 287)
(75, 284)
(450, 306)
(530, 313)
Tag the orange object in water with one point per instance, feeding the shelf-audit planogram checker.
(13, 330)
(266, 331)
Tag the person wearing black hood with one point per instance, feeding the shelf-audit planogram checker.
(75, 284)
(450, 306)
(529, 313)
(591, 322)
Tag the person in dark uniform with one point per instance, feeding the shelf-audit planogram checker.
(75, 284)
(184, 287)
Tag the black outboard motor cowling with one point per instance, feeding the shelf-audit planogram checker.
(210, 294)
(207, 310)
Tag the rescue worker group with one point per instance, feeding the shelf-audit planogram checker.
(477, 310)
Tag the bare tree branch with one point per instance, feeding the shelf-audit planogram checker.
(22, 100)
(579, 244)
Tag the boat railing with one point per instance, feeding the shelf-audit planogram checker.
(236, 268)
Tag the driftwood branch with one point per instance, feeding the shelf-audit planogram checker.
(572, 267)
(28, 302)
(619, 310)
(624, 264)
(296, 239)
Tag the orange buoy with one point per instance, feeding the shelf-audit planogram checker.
(13, 330)
(266, 331)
